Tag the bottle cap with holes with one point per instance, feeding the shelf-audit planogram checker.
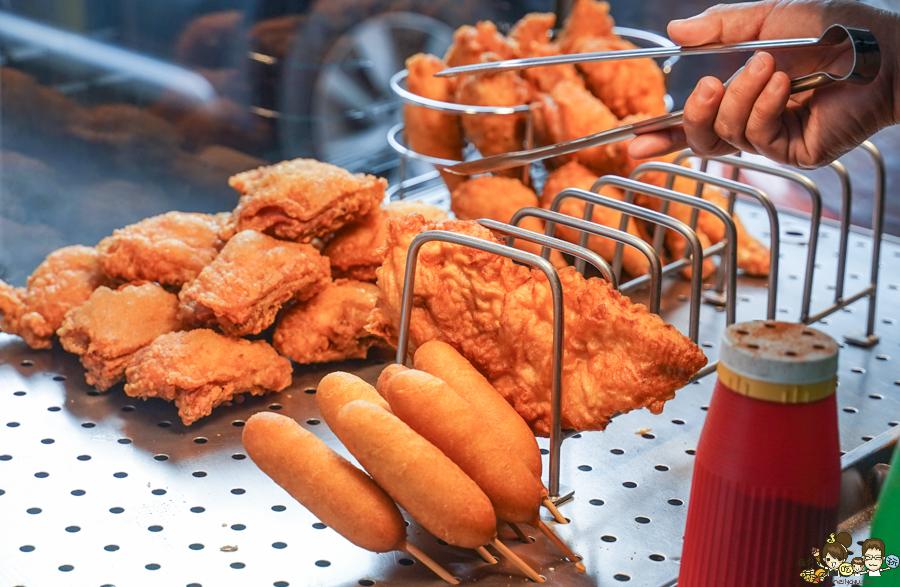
(778, 361)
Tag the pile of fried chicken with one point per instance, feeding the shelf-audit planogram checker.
(567, 102)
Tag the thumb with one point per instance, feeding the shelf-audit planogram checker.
(734, 23)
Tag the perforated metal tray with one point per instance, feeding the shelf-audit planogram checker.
(100, 489)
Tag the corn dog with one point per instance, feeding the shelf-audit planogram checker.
(336, 492)
(444, 362)
(433, 409)
(386, 374)
(417, 475)
(338, 389)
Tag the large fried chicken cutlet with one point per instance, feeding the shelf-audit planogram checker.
(112, 325)
(200, 369)
(169, 249)
(617, 356)
(301, 199)
(329, 327)
(64, 280)
(247, 283)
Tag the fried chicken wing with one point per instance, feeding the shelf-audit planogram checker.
(618, 357)
(470, 43)
(575, 175)
(570, 112)
(248, 282)
(544, 79)
(628, 86)
(302, 199)
(428, 131)
(112, 325)
(169, 249)
(329, 327)
(588, 19)
(498, 198)
(200, 369)
(493, 134)
(63, 281)
(534, 27)
(357, 250)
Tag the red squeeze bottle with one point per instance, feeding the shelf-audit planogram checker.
(767, 473)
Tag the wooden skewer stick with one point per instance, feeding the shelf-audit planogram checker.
(561, 545)
(428, 562)
(518, 530)
(557, 515)
(488, 557)
(505, 551)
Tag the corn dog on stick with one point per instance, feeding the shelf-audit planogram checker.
(514, 558)
(338, 389)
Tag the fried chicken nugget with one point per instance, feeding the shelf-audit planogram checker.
(494, 134)
(63, 281)
(470, 43)
(169, 249)
(576, 175)
(531, 37)
(303, 198)
(588, 19)
(497, 314)
(357, 250)
(112, 325)
(498, 198)
(570, 112)
(428, 131)
(329, 327)
(629, 86)
(200, 369)
(248, 282)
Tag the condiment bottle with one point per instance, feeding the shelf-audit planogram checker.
(886, 526)
(767, 472)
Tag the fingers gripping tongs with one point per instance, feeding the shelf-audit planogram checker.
(866, 62)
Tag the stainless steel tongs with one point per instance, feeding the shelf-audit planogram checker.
(864, 68)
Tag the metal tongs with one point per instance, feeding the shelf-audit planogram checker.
(864, 68)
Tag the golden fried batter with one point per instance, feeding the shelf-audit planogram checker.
(531, 37)
(428, 131)
(498, 198)
(357, 250)
(570, 112)
(629, 86)
(63, 281)
(497, 314)
(575, 175)
(329, 327)
(200, 369)
(588, 19)
(302, 199)
(170, 249)
(471, 42)
(112, 325)
(248, 282)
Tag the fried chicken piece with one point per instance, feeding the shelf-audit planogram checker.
(329, 327)
(63, 281)
(534, 27)
(357, 250)
(248, 282)
(493, 134)
(200, 369)
(497, 314)
(588, 19)
(112, 325)
(471, 43)
(302, 199)
(629, 86)
(428, 131)
(570, 112)
(531, 38)
(575, 175)
(498, 198)
(130, 136)
(169, 249)
(206, 40)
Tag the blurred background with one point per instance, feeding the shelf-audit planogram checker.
(115, 110)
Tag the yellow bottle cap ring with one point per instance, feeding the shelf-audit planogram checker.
(783, 393)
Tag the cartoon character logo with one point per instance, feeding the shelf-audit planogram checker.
(832, 559)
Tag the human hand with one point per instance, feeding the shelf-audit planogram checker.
(757, 113)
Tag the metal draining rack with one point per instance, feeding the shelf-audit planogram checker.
(97, 489)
